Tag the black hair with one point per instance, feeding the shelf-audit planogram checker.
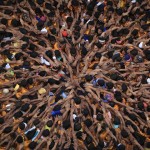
(34, 54)
(74, 2)
(49, 54)
(53, 31)
(1, 3)
(134, 32)
(24, 46)
(118, 98)
(26, 63)
(91, 23)
(124, 87)
(140, 105)
(30, 81)
(69, 19)
(101, 82)
(79, 92)
(88, 78)
(88, 139)
(148, 145)
(42, 43)
(22, 126)
(7, 129)
(10, 56)
(25, 39)
(19, 139)
(111, 9)
(133, 117)
(91, 146)
(116, 121)
(13, 135)
(112, 104)
(23, 83)
(121, 147)
(96, 15)
(23, 30)
(99, 117)
(38, 11)
(125, 31)
(31, 134)
(145, 26)
(124, 133)
(51, 81)
(33, 144)
(66, 124)
(18, 55)
(36, 121)
(140, 138)
(117, 93)
(98, 55)
(148, 57)
(79, 135)
(32, 47)
(15, 23)
(84, 51)
(114, 76)
(134, 52)
(58, 97)
(109, 85)
(33, 96)
(148, 108)
(49, 123)
(85, 112)
(110, 3)
(88, 122)
(100, 8)
(8, 12)
(110, 54)
(51, 145)
(26, 119)
(4, 21)
(42, 73)
(148, 131)
(57, 53)
(113, 131)
(46, 133)
(77, 126)
(49, 23)
(130, 40)
(25, 107)
(77, 100)
(114, 33)
(33, 108)
(1, 120)
(2, 70)
(72, 51)
(40, 1)
(48, 6)
(100, 145)
(18, 114)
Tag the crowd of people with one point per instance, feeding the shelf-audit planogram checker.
(74, 75)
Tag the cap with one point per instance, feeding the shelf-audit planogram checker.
(127, 57)
(64, 33)
(141, 45)
(44, 30)
(133, 1)
(148, 80)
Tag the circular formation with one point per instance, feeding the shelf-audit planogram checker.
(75, 74)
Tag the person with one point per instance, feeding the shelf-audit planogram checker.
(75, 75)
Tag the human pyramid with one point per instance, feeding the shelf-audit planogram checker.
(74, 75)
